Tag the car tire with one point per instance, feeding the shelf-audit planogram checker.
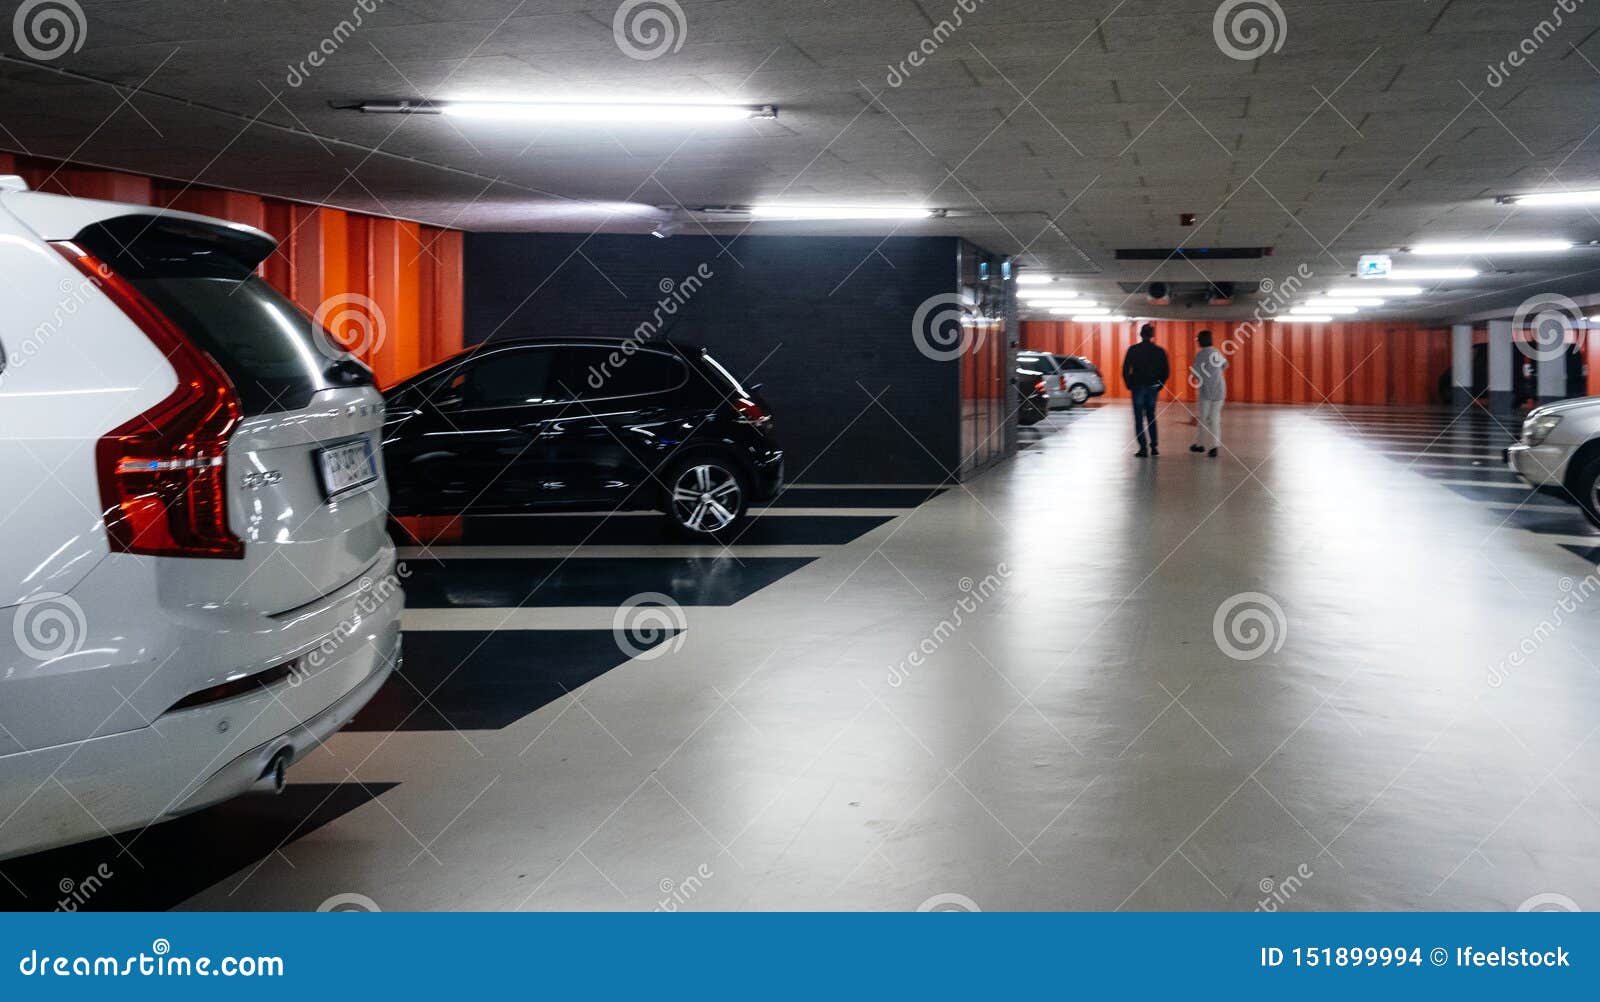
(707, 497)
(1078, 394)
(1584, 487)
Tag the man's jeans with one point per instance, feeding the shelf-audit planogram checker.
(1144, 416)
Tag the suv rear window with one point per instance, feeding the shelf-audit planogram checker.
(275, 354)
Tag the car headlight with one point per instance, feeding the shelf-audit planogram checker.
(1538, 428)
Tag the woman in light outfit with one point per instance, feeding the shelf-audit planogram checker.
(1206, 376)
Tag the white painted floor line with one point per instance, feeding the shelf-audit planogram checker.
(450, 552)
(1442, 455)
(545, 618)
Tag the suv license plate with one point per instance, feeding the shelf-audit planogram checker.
(347, 468)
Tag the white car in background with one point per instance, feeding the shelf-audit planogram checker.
(1083, 378)
(197, 587)
(1559, 452)
(1055, 381)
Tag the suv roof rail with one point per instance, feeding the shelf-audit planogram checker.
(12, 182)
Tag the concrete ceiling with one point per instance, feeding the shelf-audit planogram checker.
(1052, 131)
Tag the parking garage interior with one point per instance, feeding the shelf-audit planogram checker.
(958, 659)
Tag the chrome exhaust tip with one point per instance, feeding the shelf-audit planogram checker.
(275, 776)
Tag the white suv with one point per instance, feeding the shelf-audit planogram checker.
(196, 586)
(1559, 452)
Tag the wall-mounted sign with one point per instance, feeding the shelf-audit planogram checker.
(1373, 266)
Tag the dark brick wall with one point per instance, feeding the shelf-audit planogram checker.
(808, 317)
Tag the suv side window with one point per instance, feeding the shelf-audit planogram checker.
(592, 373)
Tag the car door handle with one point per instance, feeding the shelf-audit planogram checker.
(549, 433)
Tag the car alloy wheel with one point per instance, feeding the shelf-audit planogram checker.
(706, 498)
(1078, 394)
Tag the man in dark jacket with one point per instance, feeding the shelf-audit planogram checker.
(1145, 370)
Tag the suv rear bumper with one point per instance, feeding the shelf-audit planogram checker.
(186, 759)
(766, 474)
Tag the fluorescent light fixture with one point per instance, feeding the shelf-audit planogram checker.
(585, 111)
(1343, 301)
(1305, 318)
(1034, 278)
(1086, 309)
(1030, 296)
(1449, 247)
(1388, 290)
(646, 112)
(1419, 274)
(1045, 304)
(1320, 309)
(1095, 318)
(1543, 198)
(782, 211)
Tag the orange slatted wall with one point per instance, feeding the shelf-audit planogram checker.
(1274, 363)
(392, 287)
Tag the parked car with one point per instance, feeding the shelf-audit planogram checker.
(582, 424)
(1083, 378)
(1559, 452)
(1055, 379)
(197, 587)
(1033, 397)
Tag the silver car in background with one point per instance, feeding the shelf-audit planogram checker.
(1055, 380)
(1083, 380)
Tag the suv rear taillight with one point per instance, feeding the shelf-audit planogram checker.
(750, 412)
(1039, 387)
(163, 485)
(1063, 384)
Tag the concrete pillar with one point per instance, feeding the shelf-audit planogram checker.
(1461, 365)
(1502, 356)
(1551, 379)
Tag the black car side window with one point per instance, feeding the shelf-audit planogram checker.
(500, 379)
(592, 373)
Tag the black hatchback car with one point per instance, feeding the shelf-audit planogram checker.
(593, 424)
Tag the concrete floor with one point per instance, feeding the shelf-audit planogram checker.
(1081, 740)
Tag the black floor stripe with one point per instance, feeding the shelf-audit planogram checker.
(497, 583)
(867, 497)
(475, 680)
(1486, 476)
(1547, 523)
(598, 530)
(180, 858)
(1486, 463)
(1498, 495)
